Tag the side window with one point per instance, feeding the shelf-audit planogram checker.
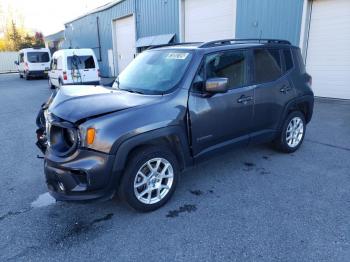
(267, 65)
(198, 82)
(231, 65)
(21, 58)
(288, 59)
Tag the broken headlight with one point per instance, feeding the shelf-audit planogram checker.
(64, 139)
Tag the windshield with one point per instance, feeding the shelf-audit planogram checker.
(154, 72)
(38, 57)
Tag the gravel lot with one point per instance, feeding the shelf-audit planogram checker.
(252, 204)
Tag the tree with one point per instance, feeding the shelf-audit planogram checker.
(27, 41)
(15, 36)
(39, 40)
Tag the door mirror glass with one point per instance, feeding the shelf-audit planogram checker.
(216, 85)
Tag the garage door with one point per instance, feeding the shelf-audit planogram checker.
(205, 20)
(328, 56)
(125, 41)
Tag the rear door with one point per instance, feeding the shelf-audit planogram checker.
(38, 60)
(273, 89)
(221, 119)
(82, 68)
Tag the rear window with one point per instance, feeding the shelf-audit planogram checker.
(80, 62)
(267, 65)
(38, 57)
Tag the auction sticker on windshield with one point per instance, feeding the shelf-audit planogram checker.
(180, 56)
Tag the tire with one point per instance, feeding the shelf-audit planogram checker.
(292, 134)
(27, 77)
(51, 86)
(159, 188)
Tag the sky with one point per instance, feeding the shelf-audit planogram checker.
(48, 16)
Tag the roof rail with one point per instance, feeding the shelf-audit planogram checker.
(251, 40)
(173, 44)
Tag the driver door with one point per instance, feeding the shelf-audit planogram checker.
(224, 119)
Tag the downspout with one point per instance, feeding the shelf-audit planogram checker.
(98, 38)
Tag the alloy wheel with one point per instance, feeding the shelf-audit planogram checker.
(295, 132)
(153, 181)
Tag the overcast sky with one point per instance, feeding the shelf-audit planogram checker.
(49, 16)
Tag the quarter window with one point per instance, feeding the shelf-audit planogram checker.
(288, 59)
(267, 65)
(231, 65)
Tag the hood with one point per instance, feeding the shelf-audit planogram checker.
(73, 103)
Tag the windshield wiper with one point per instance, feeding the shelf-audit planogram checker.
(132, 91)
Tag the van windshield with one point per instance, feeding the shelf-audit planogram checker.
(154, 72)
(80, 62)
(38, 57)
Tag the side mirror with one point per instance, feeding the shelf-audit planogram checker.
(216, 85)
(16, 63)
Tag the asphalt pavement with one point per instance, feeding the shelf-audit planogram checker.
(252, 204)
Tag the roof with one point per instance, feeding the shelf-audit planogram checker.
(55, 37)
(154, 40)
(79, 51)
(227, 44)
(96, 10)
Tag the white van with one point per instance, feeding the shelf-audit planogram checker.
(74, 67)
(33, 62)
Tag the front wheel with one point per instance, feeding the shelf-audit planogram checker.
(292, 134)
(150, 178)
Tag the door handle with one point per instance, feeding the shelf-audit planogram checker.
(244, 99)
(285, 89)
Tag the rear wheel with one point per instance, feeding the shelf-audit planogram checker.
(150, 178)
(292, 134)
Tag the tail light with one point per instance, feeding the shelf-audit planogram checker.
(65, 75)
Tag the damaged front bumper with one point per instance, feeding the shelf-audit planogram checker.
(85, 175)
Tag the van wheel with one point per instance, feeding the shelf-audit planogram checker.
(27, 77)
(150, 178)
(292, 134)
(50, 84)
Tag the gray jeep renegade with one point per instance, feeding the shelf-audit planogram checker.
(172, 107)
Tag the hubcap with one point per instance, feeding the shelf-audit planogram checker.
(153, 180)
(295, 132)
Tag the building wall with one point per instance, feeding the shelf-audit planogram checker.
(153, 17)
(269, 19)
(82, 33)
(254, 19)
(156, 17)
